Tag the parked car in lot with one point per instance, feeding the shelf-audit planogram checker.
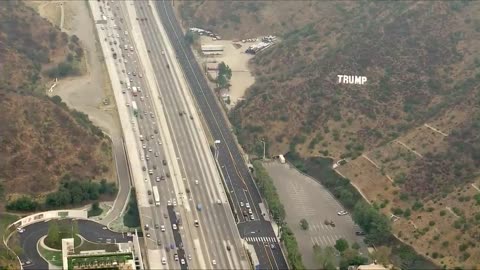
(342, 213)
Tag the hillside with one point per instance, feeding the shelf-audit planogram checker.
(410, 134)
(41, 139)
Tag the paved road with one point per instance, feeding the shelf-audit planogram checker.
(90, 230)
(177, 140)
(237, 176)
(123, 180)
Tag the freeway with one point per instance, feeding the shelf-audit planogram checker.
(174, 148)
(90, 230)
(237, 176)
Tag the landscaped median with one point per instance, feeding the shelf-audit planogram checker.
(52, 256)
(269, 192)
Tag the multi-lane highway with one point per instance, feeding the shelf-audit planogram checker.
(254, 228)
(172, 147)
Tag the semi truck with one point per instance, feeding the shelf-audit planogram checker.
(135, 108)
(156, 196)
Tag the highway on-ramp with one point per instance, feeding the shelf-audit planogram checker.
(237, 176)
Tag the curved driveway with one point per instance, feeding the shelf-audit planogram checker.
(90, 230)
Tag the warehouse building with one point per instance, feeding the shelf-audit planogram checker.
(212, 49)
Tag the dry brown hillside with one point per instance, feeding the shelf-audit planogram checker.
(410, 135)
(40, 138)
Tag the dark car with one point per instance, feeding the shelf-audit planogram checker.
(360, 233)
(164, 162)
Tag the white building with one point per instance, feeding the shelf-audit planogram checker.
(211, 49)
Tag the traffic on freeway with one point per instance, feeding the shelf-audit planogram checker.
(238, 179)
(188, 219)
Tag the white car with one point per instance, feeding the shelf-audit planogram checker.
(128, 104)
(144, 146)
(342, 213)
(162, 228)
(20, 230)
(247, 205)
(164, 261)
(214, 262)
(169, 203)
(174, 226)
(241, 204)
(150, 150)
(252, 217)
(196, 182)
(174, 202)
(158, 179)
(182, 261)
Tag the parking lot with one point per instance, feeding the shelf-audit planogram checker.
(303, 197)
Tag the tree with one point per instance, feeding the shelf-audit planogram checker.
(53, 236)
(341, 245)
(22, 204)
(356, 246)
(324, 257)
(224, 75)
(382, 255)
(304, 224)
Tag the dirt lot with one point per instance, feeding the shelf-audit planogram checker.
(236, 58)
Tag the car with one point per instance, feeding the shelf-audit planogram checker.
(150, 172)
(154, 166)
(148, 235)
(162, 228)
(196, 223)
(329, 222)
(241, 204)
(145, 113)
(247, 205)
(157, 179)
(149, 192)
(228, 248)
(144, 168)
(121, 82)
(196, 182)
(175, 257)
(174, 226)
(360, 233)
(219, 201)
(20, 230)
(167, 174)
(162, 177)
(182, 261)
(151, 137)
(152, 116)
(214, 262)
(157, 226)
(250, 211)
(164, 162)
(150, 201)
(144, 146)
(159, 243)
(164, 261)
(180, 113)
(128, 73)
(169, 202)
(147, 157)
(140, 75)
(272, 246)
(150, 150)
(156, 154)
(165, 215)
(191, 117)
(189, 256)
(342, 213)
(252, 217)
(174, 202)
(128, 104)
(155, 131)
